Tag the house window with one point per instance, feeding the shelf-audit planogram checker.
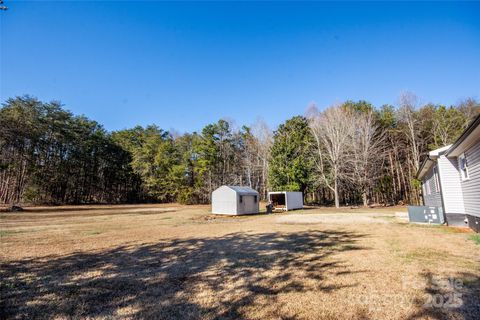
(255, 199)
(241, 199)
(463, 164)
(437, 182)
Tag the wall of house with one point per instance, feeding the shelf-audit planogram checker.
(471, 187)
(434, 198)
(450, 185)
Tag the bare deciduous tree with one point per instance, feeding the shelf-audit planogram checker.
(333, 130)
(367, 152)
(264, 139)
(408, 103)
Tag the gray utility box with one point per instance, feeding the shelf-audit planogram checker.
(426, 214)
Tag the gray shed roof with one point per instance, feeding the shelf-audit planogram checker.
(243, 190)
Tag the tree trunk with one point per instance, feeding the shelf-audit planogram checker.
(335, 191)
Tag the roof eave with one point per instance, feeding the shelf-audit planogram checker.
(458, 147)
(425, 167)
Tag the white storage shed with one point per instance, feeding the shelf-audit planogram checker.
(286, 200)
(235, 200)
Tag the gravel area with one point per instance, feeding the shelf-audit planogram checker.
(332, 218)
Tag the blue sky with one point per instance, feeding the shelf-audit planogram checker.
(184, 65)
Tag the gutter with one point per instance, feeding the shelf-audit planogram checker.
(441, 195)
(424, 163)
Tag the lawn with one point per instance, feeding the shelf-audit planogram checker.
(172, 261)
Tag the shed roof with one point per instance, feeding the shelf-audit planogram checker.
(277, 192)
(243, 190)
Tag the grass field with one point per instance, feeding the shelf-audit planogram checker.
(179, 262)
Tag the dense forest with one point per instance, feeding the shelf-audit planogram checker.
(347, 154)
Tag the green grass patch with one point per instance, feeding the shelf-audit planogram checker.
(388, 218)
(421, 226)
(422, 255)
(350, 247)
(475, 238)
(440, 228)
(471, 282)
(92, 233)
(6, 233)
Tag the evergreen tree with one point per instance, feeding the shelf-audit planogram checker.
(291, 164)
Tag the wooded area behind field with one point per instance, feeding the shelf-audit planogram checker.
(349, 153)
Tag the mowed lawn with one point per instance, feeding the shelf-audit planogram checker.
(180, 262)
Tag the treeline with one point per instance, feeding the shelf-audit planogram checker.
(352, 153)
(48, 155)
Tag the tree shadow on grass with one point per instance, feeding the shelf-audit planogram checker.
(214, 278)
(455, 296)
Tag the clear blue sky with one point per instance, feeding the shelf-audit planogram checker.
(184, 65)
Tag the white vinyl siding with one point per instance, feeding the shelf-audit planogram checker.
(471, 186)
(450, 184)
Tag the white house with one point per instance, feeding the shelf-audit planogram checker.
(451, 179)
(235, 200)
(286, 200)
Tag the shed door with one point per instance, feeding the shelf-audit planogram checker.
(249, 204)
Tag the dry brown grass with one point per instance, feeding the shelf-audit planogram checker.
(172, 261)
